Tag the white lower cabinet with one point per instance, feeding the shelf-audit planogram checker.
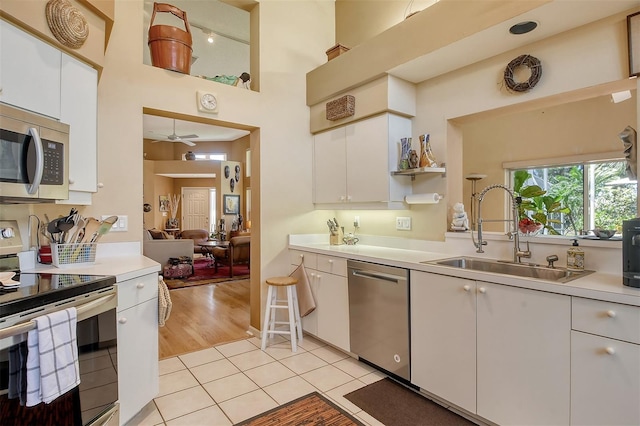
(328, 280)
(523, 358)
(443, 337)
(137, 316)
(605, 363)
(498, 351)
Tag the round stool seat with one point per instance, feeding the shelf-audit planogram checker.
(282, 281)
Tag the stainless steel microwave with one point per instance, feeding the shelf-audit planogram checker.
(34, 157)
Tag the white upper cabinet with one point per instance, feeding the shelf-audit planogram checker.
(40, 78)
(29, 72)
(79, 103)
(352, 163)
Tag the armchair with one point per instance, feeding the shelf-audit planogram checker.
(198, 236)
(237, 252)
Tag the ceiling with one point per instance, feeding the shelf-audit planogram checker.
(156, 127)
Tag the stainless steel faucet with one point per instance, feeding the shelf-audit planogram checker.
(518, 254)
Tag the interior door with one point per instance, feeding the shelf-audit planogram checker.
(195, 208)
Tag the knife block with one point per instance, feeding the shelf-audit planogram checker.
(336, 240)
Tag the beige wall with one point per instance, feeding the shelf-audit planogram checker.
(576, 128)
(568, 74)
(358, 21)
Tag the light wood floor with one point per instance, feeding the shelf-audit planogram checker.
(205, 315)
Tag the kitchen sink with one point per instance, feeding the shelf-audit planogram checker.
(560, 275)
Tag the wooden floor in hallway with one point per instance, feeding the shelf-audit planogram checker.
(205, 315)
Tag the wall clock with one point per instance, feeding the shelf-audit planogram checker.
(207, 102)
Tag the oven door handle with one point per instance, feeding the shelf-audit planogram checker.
(39, 167)
(25, 327)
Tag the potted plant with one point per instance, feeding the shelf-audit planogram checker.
(536, 207)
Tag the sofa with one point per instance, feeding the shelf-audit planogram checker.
(237, 252)
(163, 247)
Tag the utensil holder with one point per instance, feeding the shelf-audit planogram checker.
(69, 255)
(336, 239)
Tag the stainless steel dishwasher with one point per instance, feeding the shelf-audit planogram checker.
(379, 315)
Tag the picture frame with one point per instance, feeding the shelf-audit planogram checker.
(633, 36)
(164, 203)
(230, 204)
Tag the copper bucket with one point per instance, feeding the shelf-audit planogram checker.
(170, 46)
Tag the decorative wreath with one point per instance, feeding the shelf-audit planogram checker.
(528, 61)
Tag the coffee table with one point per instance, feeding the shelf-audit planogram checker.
(207, 247)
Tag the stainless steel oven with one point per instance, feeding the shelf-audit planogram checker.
(34, 157)
(95, 400)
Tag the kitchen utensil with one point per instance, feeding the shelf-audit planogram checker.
(105, 226)
(79, 227)
(90, 229)
(52, 228)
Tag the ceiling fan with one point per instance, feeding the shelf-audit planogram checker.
(177, 138)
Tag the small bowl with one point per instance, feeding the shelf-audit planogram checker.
(604, 233)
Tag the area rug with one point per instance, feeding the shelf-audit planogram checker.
(395, 405)
(204, 273)
(311, 409)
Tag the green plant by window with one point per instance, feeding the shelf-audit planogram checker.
(536, 207)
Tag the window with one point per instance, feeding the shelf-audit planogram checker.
(219, 157)
(590, 195)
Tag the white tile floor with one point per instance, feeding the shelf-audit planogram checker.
(226, 384)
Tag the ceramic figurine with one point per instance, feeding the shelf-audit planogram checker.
(413, 159)
(460, 220)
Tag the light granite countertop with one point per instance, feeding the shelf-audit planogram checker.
(122, 260)
(597, 285)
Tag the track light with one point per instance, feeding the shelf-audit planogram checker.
(210, 38)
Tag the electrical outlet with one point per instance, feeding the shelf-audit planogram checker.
(356, 222)
(121, 224)
(403, 223)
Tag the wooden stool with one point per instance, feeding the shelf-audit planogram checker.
(295, 323)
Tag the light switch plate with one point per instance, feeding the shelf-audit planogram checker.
(403, 223)
(121, 224)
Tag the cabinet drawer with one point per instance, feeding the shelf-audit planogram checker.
(606, 319)
(310, 259)
(332, 265)
(137, 290)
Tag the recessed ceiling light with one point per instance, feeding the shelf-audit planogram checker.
(523, 27)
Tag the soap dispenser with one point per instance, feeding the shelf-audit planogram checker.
(575, 257)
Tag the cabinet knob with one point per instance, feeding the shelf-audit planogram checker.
(482, 290)
(122, 320)
(467, 288)
(140, 285)
(71, 181)
(100, 185)
(330, 260)
(611, 314)
(610, 350)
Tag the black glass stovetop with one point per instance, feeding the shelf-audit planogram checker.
(37, 290)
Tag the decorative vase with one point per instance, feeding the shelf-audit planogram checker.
(190, 156)
(405, 147)
(427, 159)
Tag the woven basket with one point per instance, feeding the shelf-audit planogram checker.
(341, 108)
(67, 23)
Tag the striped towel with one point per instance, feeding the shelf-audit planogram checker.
(52, 361)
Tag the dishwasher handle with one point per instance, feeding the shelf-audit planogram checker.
(377, 275)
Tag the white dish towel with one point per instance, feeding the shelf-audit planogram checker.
(52, 359)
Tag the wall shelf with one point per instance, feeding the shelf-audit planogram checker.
(420, 171)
